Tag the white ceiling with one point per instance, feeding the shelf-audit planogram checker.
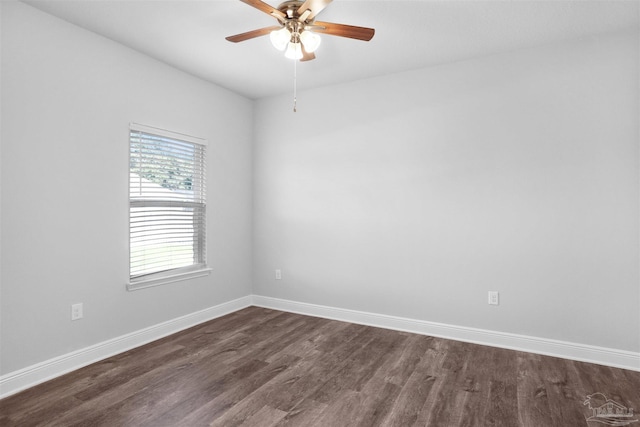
(189, 35)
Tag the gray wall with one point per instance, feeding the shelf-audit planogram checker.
(68, 96)
(414, 194)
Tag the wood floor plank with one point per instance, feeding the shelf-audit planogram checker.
(261, 367)
(446, 408)
(406, 358)
(121, 388)
(340, 411)
(615, 384)
(265, 417)
(207, 407)
(306, 413)
(359, 366)
(272, 394)
(379, 398)
(409, 405)
(532, 393)
(502, 409)
(287, 390)
(566, 406)
(165, 391)
(268, 341)
(313, 342)
(188, 406)
(477, 388)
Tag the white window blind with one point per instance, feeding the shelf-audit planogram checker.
(167, 206)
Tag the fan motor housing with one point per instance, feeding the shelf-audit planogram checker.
(290, 8)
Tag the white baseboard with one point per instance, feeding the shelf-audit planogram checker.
(16, 381)
(548, 347)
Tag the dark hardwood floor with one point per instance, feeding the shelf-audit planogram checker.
(259, 367)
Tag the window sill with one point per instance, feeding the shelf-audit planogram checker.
(158, 281)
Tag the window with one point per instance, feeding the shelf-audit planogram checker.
(167, 207)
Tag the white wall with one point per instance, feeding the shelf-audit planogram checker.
(409, 195)
(68, 96)
(414, 194)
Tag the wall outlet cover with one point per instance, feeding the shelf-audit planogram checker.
(76, 311)
(494, 298)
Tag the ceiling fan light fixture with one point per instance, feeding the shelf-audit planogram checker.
(310, 40)
(294, 51)
(280, 38)
(296, 32)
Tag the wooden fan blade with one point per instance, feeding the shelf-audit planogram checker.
(252, 34)
(341, 30)
(314, 6)
(260, 5)
(307, 56)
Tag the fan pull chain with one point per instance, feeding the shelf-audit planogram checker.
(295, 84)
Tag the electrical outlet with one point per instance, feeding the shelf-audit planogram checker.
(76, 311)
(494, 298)
(278, 274)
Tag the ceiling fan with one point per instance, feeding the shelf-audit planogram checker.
(297, 30)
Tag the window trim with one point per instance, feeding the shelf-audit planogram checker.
(163, 277)
(149, 281)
